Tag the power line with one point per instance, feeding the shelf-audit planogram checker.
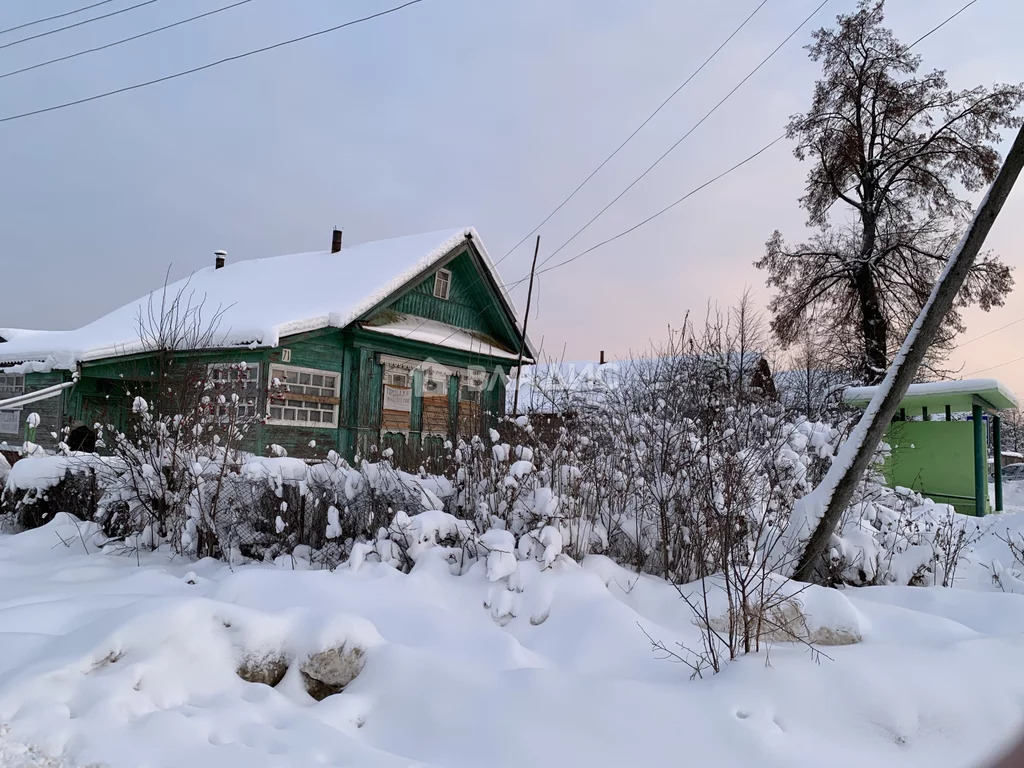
(940, 26)
(212, 64)
(996, 330)
(76, 24)
(507, 287)
(695, 126)
(51, 18)
(618, 149)
(124, 39)
(637, 130)
(668, 207)
(993, 367)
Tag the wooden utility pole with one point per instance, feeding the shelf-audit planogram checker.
(522, 342)
(813, 525)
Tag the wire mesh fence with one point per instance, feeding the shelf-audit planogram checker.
(314, 515)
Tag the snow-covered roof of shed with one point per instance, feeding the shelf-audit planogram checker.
(959, 395)
(262, 300)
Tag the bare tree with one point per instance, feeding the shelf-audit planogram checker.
(817, 514)
(189, 416)
(895, 150)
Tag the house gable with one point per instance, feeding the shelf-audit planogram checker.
(473, 302)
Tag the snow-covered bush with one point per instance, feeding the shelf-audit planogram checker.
(896, 536)
(39, 487)
(685, 466)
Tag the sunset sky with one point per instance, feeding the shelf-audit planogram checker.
(449, 113)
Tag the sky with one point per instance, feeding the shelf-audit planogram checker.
(448, 113)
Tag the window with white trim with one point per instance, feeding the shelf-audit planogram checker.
(471, 384)
(225, 382)
(11, 384)
(309, 397)
(435, 382)
(442, 283)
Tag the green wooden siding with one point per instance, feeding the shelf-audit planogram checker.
(470, 304)
(323, 350)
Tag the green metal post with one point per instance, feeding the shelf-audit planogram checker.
(980, 462)
(924, 413)
(997, 460)
(949, 413)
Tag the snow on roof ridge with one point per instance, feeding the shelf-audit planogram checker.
(334, 289)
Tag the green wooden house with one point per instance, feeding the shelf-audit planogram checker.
(401, 343)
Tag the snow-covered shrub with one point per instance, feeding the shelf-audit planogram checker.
(685, 466)
(896, 536)
(38, 487)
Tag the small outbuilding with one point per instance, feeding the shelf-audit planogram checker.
(939, 440)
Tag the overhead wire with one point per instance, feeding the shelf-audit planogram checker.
(509, 286)
(52, 18)
(686, 135)
(210, 65)
(124, 39)
(994, 330)
(48, 32)
(636, 130)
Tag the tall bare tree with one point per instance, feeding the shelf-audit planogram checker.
(893, 153)
(817, 514)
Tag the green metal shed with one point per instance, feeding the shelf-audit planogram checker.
(945, 460)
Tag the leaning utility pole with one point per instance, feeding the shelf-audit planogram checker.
(522, 342)
(816, 515)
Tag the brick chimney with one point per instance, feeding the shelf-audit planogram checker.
(218, 259)
(336, 241)
(602, 357)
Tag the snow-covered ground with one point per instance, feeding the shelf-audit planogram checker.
(115, 660)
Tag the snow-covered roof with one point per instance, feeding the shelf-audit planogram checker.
(959, 395)
(261, 300)
(553, 386)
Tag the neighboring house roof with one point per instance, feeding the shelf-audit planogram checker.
(550, 387)
(263, 300)
(823, 386)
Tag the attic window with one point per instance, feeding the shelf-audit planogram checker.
(442, 283)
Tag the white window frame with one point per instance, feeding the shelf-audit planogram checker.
(275, 368)
(472, 381)
(442, 284)
(11, 385)
(250, 391)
